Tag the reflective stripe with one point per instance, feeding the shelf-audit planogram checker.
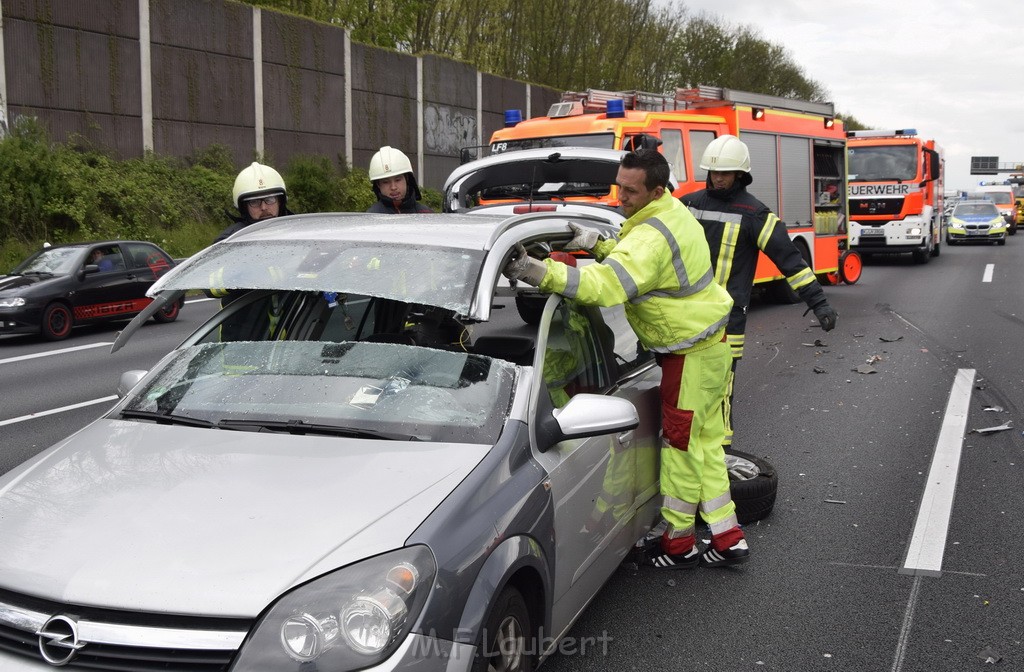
(689, 343)
(680, 506)
(724, 525)
(727, 252)
(625, 279)
(572, 282)
(712, 505)
(736, 342)
(767, 230)
(706, 280)
(674, 532)
(801, 279)
(677, 258)
(717, 216)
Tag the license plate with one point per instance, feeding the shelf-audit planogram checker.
(872, 232)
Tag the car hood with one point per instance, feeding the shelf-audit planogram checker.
(11, 282)
(173, 519)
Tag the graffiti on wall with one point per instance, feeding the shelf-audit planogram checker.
(447, 130)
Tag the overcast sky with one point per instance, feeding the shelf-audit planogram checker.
(952, 69)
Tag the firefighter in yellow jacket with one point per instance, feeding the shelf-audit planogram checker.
(660, 269)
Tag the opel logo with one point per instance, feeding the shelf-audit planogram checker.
(58, 640)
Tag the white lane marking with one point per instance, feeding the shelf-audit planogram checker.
(52, 411)
(989, 268)
(928, 541)
(21, 358)
(908, 622)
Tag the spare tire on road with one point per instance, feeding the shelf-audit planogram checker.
(753, 484)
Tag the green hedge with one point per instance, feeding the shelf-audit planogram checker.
(71, 192)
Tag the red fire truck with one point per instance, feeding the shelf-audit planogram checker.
(797, 153)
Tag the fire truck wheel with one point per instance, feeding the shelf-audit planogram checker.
(753, 485)
(850, 267)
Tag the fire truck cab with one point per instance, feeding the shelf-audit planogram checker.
(895, 193)
(797, 156)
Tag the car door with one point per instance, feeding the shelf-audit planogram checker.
(602, 487)
(145, 264)
(105, 290)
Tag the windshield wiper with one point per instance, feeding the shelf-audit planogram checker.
(167, 418)
(33, 273)
(303, 427)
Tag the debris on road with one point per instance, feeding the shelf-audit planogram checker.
(886, 339)
(874, 358)
(993, 409)
(989, 430)
(865, 369)
(818, 343)
(989, 655)
(835, 501)
(818, 369)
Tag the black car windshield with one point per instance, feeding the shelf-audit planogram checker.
(55, 260)
(358, 389)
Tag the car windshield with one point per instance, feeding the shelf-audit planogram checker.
(884, 162)
(362, 390)
(435, 275)
(54, 260)
(1000, 197)
(976, 210)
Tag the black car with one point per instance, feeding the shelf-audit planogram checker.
(62, 286)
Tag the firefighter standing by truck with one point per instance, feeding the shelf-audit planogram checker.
(737, 227)
(659, 268)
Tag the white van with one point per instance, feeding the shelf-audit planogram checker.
(1002, 195)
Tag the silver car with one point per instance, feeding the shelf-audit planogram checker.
(365, 461)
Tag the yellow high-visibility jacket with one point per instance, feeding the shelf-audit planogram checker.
(660, 268)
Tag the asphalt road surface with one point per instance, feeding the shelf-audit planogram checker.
(895, 538)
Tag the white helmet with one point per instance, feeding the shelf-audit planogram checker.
(725, 153)
(257, 180)
(388, 162)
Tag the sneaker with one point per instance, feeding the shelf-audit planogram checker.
(734, 555)
(655, 557)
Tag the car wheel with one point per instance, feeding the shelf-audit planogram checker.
(57, 322)
(531, 307)
(753, 485)
(168, 313)
(1001, 241)
(506, 641)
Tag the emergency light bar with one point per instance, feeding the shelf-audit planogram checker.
(881, 134)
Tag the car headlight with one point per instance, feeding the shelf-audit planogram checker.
(915, 231)
(346, 620)
(12, 302)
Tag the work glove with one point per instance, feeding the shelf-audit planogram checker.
(826, 315)
(524, 267)
(583, 238)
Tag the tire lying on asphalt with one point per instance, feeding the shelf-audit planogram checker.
(753, 484)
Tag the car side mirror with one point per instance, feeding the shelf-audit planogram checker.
(129, 379)
(586, 415)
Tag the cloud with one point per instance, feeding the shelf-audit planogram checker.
(945, 67)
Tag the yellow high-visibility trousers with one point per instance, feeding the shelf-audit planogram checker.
(693, 474)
